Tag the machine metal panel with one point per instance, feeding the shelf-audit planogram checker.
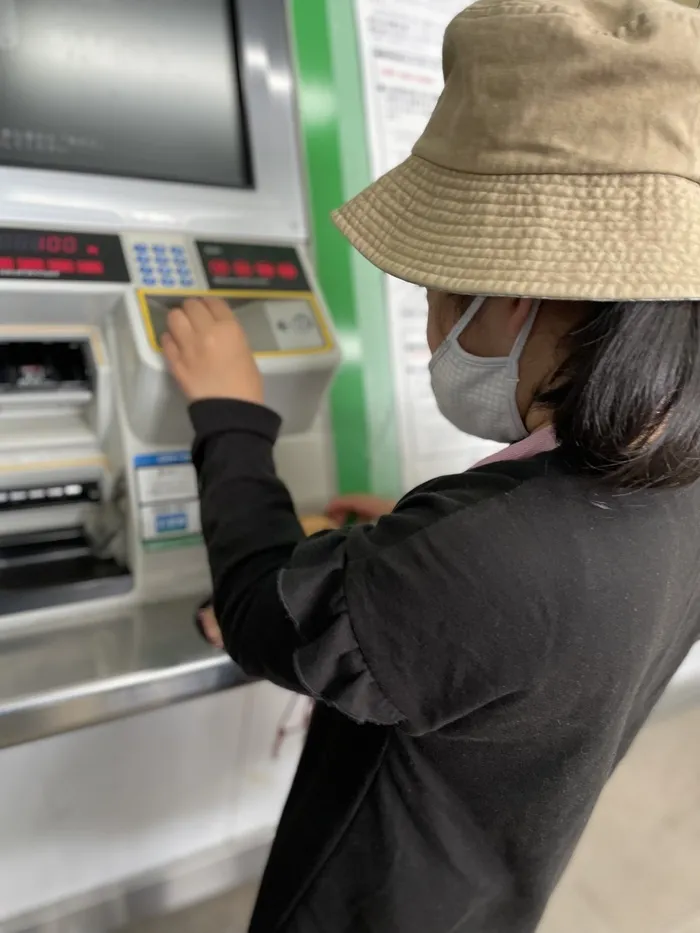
(57, 679)
(66, 667)
(273, 207)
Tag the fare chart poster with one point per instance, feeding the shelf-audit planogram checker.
(400, 45)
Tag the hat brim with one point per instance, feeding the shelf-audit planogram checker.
(577, 237)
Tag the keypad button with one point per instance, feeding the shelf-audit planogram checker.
(168, 282)
(178, 250)
(149, 280)
(186, 282)
(141, 247)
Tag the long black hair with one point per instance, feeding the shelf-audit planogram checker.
(626, 401)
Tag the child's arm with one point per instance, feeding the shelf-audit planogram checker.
(206, 620)
(406, 622)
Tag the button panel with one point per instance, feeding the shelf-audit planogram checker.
(162, 262)
(252, 267)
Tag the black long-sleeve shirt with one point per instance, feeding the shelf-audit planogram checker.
(482, 658)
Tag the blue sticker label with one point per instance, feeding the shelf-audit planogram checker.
(170, 458)
(176, 521)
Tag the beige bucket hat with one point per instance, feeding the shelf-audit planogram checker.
(562, 159)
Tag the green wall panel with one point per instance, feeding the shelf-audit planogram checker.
(334, 137)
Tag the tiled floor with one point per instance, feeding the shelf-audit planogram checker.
(637, 869)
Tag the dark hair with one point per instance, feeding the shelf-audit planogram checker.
(626, 401)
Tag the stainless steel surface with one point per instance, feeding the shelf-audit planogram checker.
(58, 679)
(173, 888)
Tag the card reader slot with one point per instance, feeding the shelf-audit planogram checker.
(43, 568)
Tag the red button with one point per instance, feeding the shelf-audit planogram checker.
(242, 269)
(66, 266)
(91, 267)
(219, 267)
(288, 271)
(31, 265)
(265, 270)
(7, 262)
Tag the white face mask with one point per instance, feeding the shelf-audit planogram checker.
(477, 393)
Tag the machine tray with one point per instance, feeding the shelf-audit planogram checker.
(43, 569)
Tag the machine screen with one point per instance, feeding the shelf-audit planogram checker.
(141, 88)
(51, 254)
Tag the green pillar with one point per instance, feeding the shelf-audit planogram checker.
(334, 136)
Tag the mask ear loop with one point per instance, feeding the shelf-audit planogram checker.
(466, 319)
(521, 340)
(514, 359)
(454, 334)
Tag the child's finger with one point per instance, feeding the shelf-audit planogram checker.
(210, 627)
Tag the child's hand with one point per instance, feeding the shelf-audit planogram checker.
(210, 627)
(312, 524)
(206, 616)
(208, 354)
(363, 507)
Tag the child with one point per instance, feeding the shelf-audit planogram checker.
(483, 656)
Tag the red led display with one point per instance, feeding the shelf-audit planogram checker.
(29, 264)
(288, 271)
(252, 266)
(53, 243)
(91, 267)
(265, 270)
(219, 267)
(242, 269)
(45, 255)
(66, 266)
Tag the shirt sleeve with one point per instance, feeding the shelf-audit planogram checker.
(411, 622)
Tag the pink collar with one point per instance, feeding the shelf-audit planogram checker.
(533, 444)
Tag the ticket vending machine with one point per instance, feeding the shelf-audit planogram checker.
(148, 152)
(97, 493)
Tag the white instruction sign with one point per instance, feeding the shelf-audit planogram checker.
(401, 55)
(166, 483)
(164, 476)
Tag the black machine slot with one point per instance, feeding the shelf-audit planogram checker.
(46, 568)
(45, 366)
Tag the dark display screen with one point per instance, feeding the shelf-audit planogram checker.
(140, 88)
(241, 265)
(51, 254)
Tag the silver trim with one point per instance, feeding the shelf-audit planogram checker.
(59, 679)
